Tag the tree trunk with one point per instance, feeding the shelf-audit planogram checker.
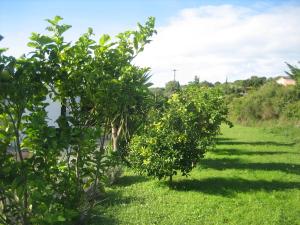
(63, 108)
(23, 174)
(114, 136)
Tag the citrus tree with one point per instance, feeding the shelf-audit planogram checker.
(177, 137)
(54, 175)
(123, 91)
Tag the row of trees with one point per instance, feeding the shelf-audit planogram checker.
(235, 89)
(56, 174)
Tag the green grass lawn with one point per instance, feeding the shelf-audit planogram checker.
(253, 177)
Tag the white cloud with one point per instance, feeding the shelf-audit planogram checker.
(218, 41)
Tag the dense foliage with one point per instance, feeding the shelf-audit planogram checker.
(268, 102)
(55, 175)
(175, 138)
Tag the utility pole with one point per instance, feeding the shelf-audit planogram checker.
(174, 70)
(226, 85)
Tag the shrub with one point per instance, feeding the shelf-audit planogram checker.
(292, 111)
(176, 138)
(266, 103)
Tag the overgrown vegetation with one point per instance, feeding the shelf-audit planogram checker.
(270, 102)
(265, 101)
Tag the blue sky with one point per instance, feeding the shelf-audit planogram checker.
(103, 15)
(18, 18)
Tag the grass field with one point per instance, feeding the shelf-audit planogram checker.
(253, 177)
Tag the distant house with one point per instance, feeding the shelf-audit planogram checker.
(286, 81)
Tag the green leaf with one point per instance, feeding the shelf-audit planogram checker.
(105, 38)
(32, 44)
(90, 31)
(55, 20)
(60, 218)
(3, 50)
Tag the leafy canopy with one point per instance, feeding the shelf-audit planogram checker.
(176, 138)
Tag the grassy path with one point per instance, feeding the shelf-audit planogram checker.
(253, 177)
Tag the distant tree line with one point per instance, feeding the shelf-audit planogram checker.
(261, 99)
(251, 100)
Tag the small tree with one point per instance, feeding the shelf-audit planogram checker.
(175, 139)
(295, 74)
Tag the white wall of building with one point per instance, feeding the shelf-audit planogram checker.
(53, 111)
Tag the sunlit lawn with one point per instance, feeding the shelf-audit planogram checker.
(253, 177)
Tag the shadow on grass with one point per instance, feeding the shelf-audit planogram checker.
(225, 163)
(130, 180)
(115, 198)
(112, 199)
(231, 186)
(100, 220)
(244, 152)
(274, 143)
(222, 139)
